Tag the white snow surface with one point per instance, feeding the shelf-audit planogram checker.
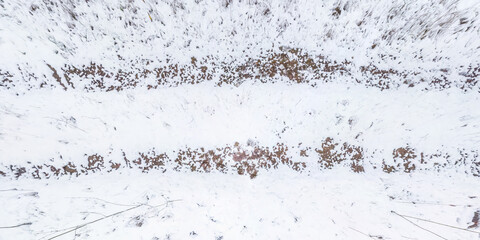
(281, 205)
(55, 127)
(47, 124)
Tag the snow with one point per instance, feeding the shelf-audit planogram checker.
(333, 204)
(412, 36)
(44, 125)
(406, 93)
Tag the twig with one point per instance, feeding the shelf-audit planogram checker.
(19, 225)
(436, 204)
(163, 204)
(55, 231)
(94, 221)
(368, 235)
(67, 123)
(418, 225)
(442, 224)
(70, 228)
(108, 216)
(7, 190)
(15, 189)
(94, 213)
(118, 204)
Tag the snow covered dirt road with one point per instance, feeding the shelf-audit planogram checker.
(47, 133)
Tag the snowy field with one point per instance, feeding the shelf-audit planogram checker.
(239, 119)
(333, 204)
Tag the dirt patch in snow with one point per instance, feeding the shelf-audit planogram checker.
(249, 159)
(475, 220)
(402, 159)
(6, 80)
(284, 64)
(332, 154)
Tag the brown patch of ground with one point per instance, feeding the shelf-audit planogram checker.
(293, 64)
(404, 159)
(472, 77)
(56, 76)
(475, 220)
(249, 159)
(332, 153)
(94, 163)
(6, 80)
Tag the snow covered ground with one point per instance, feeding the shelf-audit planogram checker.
(333, 204)
(351, 119)
(57, 127)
